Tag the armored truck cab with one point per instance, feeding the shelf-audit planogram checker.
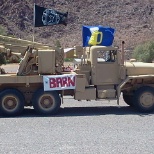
(109, 76)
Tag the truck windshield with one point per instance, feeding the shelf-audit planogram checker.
(106, 56)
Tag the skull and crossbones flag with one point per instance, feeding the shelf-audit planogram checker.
(48, 17)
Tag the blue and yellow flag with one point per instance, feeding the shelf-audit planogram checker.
(97, 35)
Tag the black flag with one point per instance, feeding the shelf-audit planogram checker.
(48, 17)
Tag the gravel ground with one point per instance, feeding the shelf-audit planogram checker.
(79, 128)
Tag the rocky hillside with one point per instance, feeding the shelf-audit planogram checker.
(132, 19)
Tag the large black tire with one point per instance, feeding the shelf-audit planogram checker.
(11, 102)
(128, 99)
(144, 99)
(46, 102)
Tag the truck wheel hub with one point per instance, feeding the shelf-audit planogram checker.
(10, 102)
(46, 102)
(147, 99)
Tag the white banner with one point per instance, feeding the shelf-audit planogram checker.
(59, 82)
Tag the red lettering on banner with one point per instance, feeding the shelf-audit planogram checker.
(59, 82)
(71, 81)
(53, 83)
(64, 82)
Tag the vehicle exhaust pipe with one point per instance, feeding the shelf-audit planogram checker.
(122, 52)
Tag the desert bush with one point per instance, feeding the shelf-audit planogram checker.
(144, 52)
(68, 59)
(2, 59)
(57, 44)
(2, 30)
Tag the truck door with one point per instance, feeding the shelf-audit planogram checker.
(107, 68)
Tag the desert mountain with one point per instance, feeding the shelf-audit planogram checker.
(132, 19)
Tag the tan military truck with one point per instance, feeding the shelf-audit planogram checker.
(41, 81)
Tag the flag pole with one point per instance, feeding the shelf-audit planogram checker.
(34, 22)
